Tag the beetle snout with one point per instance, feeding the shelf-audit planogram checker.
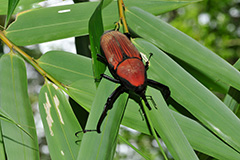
(140, 90)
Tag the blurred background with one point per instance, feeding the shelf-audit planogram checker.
(213, 23)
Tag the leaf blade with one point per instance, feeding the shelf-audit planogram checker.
(182, 46)
(60, 123)
(203, 104)
(69, 23)
(169, 130)
(102, 146)
(15, 102)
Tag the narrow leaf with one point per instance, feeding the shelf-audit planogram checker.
(22, 6)
(12, 4)
(15, 102)
(203, 140)
(232, 99)
(60, 123)
(182, 46)
(102, 146)
(66, 67)
(203, 104)
(169, 130)
(2, 149)
(95, 29)
(72, 70)
(72, 20)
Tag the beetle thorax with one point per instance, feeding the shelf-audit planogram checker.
(132, 74)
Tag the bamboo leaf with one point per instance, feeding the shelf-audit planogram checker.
(95, 28)
(182, 46)
(72, 20)
(232, 99)
(22, 6)
(12, 4)
(60, 123)
(2, 149)
(66, 67)
(204, 105)
(203, 140)
(59, 64)
(72, 70)
(169, 130)
(15, 102)
(102, 146)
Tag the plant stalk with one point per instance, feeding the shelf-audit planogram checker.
(30, 60)
(122, 18)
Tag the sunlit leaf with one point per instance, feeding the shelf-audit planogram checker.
(74, 71)
(72, 20)
(169, 130)
(96, 29)
(60, 123)
(182, 46)
(102, 146)
(192, 95)
(22, 6)
(15, 102)
(12, 4)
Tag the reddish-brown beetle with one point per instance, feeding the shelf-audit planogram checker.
(125, 64)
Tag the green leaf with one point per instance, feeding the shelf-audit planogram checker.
(182, 46)
(95, 29)
(72, 20)
(232, 99)
(203, 140)
(102, 146)
(22, 6)
(198, 136)
(83, 91)
(4, 116)
(72, 70)
(206, 80)
(2, 150)
(15, 102)
(60, 123)
(168, 129)
(66, 67)
(12, 4)
(192, 95)
(158, 7)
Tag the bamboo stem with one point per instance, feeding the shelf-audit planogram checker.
(30, 60)
(121, 8)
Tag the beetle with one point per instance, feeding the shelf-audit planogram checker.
(126, 66)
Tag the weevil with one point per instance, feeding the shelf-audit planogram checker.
(126, 66)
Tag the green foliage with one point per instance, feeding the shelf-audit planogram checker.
(194, 120)
(60, 123)
(15, 102)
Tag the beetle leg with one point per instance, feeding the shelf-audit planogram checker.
(109, 104)
(153, 102)
(146, 102)
(109, 78)
(128, 35)
(141, 113)
(102, 59)
(163, 89)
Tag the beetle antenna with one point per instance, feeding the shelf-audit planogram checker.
(150, 55)
(148, 63)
